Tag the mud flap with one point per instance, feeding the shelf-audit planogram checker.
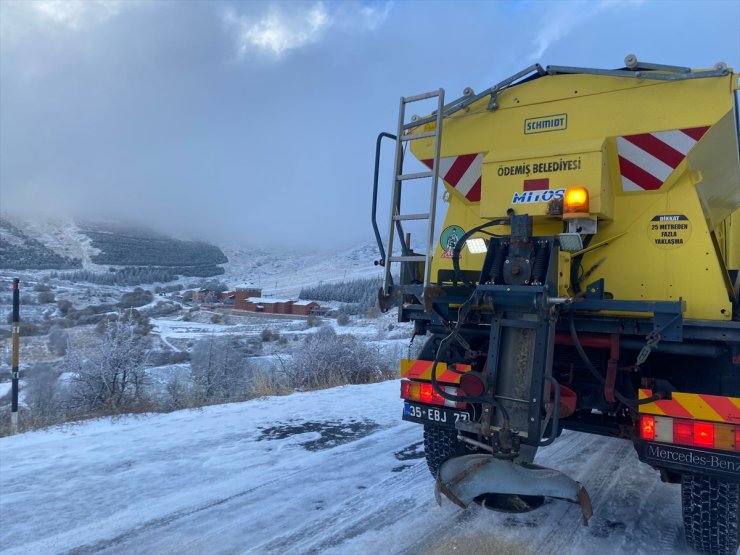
(462, 479)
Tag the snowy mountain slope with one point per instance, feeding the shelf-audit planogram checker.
(282, 273)
(333, 471)
(97, 246)
(279, 271)
(61, 236)
(19, 249)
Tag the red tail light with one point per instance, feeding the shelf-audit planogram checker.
(647, 428)
(405, 387)
(427, 393)
(692, 433)
(704, 434)
(437, 399)
(683, 432)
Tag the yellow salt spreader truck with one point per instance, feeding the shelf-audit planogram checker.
(585, 277)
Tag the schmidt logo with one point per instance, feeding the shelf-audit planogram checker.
(558, 122)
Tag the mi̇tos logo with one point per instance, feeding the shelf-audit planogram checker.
(537, 190)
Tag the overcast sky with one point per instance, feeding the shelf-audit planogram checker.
(256, 121)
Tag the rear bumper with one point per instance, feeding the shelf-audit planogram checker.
(722, 465)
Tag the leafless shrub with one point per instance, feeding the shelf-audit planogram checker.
(179, 394)
(64, 306)
(112, 379)
(137, 297)
(58, 340)
(45, 297)
(43, 397)
(266, 383)
(269, 335)
(220, 369)
(326, 359)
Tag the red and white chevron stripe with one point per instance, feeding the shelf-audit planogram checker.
(646, 160)
(463, 173)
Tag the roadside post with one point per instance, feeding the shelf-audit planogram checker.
(16, 348)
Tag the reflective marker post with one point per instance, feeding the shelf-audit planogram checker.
(16, 348)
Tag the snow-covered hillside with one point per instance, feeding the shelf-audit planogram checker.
(278, 271)
(63, 243)
(333, 471)
(282, 273)
(62, 236)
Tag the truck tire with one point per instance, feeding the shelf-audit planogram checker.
(440, 444)
(710, 514)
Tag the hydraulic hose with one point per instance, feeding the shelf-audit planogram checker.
(461, 398)
(461, 242)
(575, 267)
(629, 403)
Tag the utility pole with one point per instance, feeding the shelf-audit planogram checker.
(16, 347)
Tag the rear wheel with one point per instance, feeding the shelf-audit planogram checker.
(440, 444)
(710, 514)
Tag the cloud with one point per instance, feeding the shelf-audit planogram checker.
(367, 17)
(76, 13)
(561, 19)
(278, 32)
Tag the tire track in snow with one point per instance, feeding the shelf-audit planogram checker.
(354, 516)
(155, 533)
(598, 476)
(170, 518)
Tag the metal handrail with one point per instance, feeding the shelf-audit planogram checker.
(373, 217)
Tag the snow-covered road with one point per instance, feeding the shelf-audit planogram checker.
(332, 471)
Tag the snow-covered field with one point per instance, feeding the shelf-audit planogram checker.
(333, 471)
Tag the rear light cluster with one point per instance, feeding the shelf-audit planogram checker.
(424, 393)
(693, 433)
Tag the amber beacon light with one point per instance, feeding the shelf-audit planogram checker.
(575, 202)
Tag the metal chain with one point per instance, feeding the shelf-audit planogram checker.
(651, 341)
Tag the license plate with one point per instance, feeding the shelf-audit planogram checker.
(426, 414)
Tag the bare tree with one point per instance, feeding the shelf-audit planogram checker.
(112, 380)
(43, 398)
(58, 340)
(220, 370)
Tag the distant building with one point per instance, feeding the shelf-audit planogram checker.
(238, 297)
(205, 296)
(306, 308)
(249, 297)
(270, 305)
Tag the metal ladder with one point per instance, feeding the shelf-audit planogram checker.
(399, 177)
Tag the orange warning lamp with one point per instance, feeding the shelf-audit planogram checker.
(575, 202)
